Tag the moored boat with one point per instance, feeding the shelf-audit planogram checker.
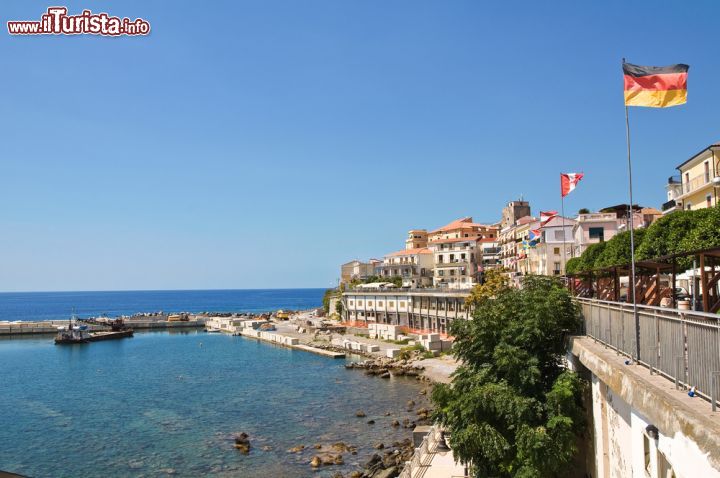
(76, 333)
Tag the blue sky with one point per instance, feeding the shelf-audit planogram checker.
(261, 144)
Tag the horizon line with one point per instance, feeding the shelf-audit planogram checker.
(154, 290)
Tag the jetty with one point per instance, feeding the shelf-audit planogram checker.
(286, 341)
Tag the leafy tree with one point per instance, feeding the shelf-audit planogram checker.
(512, 409)
(617, 250)
(494, 282)
(329, 293)
(573, 265)
(396, 280)
(584, 210)
(705, 233)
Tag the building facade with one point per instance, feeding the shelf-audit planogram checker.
(593, 228)
(416, 239)
(420, 311)
(414, 266)
(699, 180)
(357, 270)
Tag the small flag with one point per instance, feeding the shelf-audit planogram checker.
(535, 235)
(546, 216)
(568, 182)
(655, 86)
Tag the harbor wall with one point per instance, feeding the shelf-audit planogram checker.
(51, 327)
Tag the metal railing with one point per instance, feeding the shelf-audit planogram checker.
(682, 345)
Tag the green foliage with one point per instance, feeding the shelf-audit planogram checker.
(339, 307)
(406, 352)
(573, 265)
(584, 210)
(494, 282)
(617, 250)
(512, 409)
(329, 293)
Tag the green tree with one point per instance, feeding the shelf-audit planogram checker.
(494, 282)
(573, 265)
(617, 250)
(584, 210)
(512, 410)
(329, 293)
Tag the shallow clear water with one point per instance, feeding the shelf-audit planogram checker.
(60, 305)
(170, 401)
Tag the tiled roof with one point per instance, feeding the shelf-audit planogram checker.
(411, 252)
(462, 223)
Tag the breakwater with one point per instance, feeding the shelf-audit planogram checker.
(51, 327)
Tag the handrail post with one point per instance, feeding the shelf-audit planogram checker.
(678, 360)
(713, 379)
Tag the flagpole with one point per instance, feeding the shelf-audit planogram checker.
(562, 212)
(632, 238)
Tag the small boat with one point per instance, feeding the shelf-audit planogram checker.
(76, 333)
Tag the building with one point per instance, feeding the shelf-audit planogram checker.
(419, 311)
(699, 180)
(514, 211)
(490, 254)
(417, 239)
(593, 228)
(414, 266)
(556, 247)
(673, 189)
(457, 255)
(357, 270)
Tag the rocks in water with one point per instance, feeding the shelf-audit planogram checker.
(379, 446)
(371, 422)
(317, 446)
(266, 448)
(242, 443)
(296, 449)
(360, 414)
(410, 405)
(315, 462)
(385, 375)
(356, 474)
(385, 367)
(395, 423)
(338, 460)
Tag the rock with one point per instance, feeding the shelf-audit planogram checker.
(371, 422)
(410, 404)
(387, 473)
(395, 423)
(423, 391)
(317, 446)
(385, 375)
(360, 414)
(340, 447)
(168, 471)
(243, 447)
(315, 462)
(356, 474)
(266, 448)
(379, 446)
(387, 414)
(337, 475)
(296, 449)
(242, 438)
(338, 460)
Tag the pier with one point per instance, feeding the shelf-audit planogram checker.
(51, 326)
(286, 341)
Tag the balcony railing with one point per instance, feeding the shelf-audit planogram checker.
(669, 205)
(696, 183)
(681, 345)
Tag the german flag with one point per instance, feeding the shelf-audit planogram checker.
(655, 86)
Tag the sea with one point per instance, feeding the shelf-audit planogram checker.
(168, 403)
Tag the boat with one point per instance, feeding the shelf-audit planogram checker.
(80, 333)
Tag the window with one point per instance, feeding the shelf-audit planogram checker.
(452, 272)
(646, 451)
(688, 206)
(380, 303)
(597, 233)
(351, 303)
(391, 303)
(556, 251)
(370, 303)
(360, 303)
(559, 235)
(402, 304)
(556, 268)
(707, 172)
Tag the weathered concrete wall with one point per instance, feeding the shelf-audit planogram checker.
(626, 400)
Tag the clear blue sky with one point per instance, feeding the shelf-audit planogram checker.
(261, 144)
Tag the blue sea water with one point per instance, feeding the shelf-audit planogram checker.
(60, 305)
(167, 403)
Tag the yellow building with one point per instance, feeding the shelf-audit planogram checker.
(699, 180)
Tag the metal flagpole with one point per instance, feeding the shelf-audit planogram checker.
(631, 286)
(562, 212)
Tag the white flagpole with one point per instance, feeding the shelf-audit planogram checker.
(631, 286)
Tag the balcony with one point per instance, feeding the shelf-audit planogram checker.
(452, 264)
(669, 205)
(674, 180)
(698, 182)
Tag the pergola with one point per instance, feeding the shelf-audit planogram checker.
(604, 283)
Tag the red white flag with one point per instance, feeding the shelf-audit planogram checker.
(568, 182)
(546, 216)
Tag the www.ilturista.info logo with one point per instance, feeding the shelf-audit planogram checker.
(57, 22)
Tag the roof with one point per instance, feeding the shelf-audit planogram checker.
(462, 223)
(696, 155)
(525, 220)
(650, 210)
(410, 252)
(560, 223)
